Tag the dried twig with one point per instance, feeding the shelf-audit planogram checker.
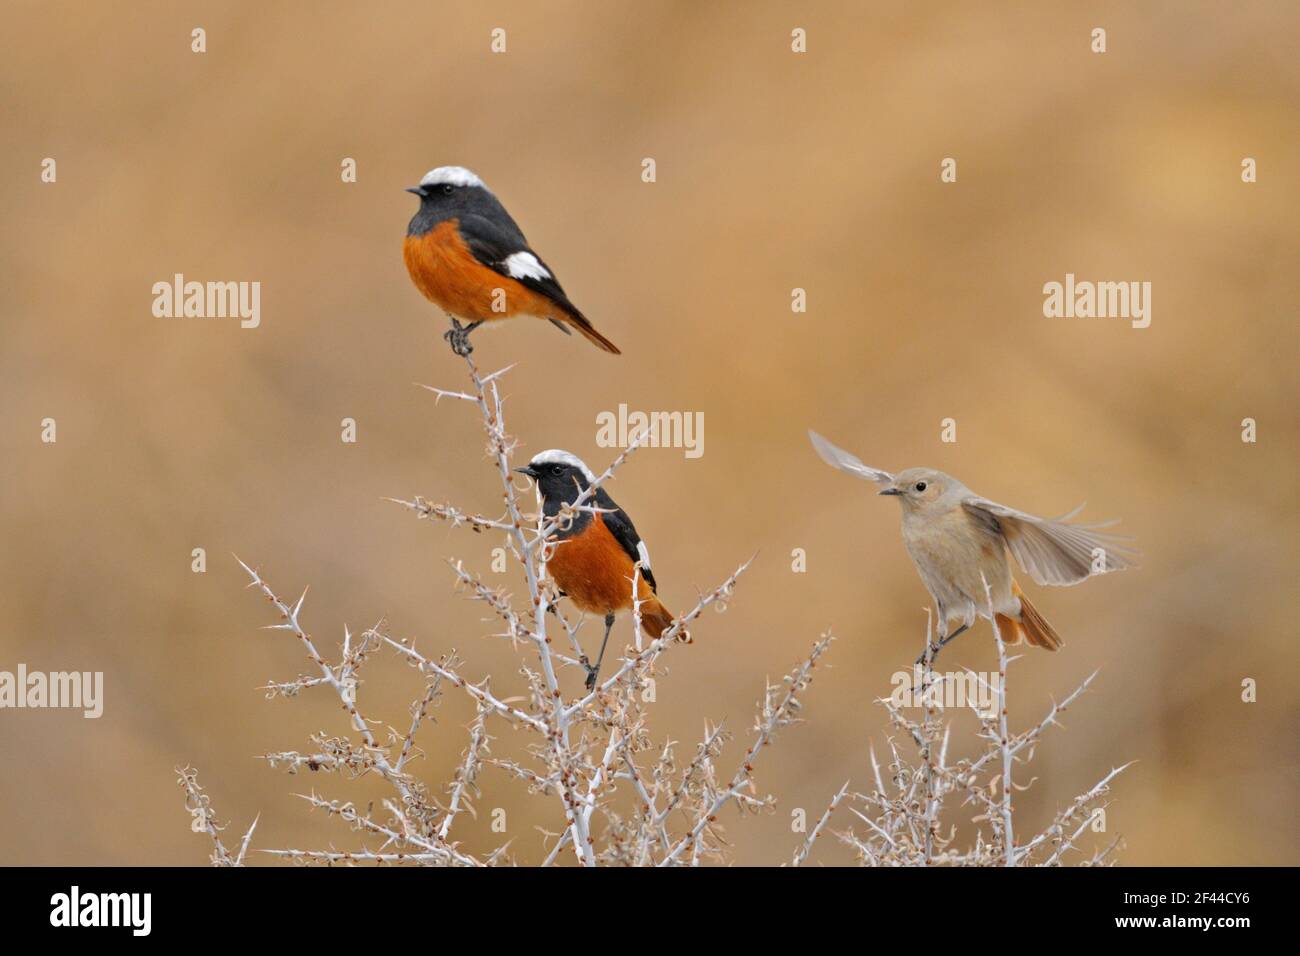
(587, 752)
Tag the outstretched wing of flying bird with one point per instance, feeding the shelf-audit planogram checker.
(839, 458)
(1052, 551)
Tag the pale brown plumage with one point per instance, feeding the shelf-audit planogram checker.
(959, 541)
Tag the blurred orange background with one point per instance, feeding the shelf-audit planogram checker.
(774, 171)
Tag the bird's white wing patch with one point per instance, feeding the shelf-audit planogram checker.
(451, 176)
(525, 265)
(644, 553)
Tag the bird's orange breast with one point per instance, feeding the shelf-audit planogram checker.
(594, 571)
(447, 274)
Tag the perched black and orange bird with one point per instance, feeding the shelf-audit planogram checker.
(595, 556)
(469, 258)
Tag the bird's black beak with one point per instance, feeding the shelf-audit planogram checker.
(418, 190)
(891, 491)
(528, 470)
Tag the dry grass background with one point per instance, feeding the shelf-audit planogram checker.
(775, 171)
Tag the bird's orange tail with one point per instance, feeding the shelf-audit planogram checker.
(1032, 626)
(596, 338)
(580, 322)
(655, 619)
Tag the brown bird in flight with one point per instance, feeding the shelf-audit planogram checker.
(959, 540)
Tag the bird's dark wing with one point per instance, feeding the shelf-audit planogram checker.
(624, 532)
(503, 249)
(491, 242)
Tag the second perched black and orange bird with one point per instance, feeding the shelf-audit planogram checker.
(596, 554)
(468, 257)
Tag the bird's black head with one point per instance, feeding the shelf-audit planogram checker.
(447, 192)
(561, 477)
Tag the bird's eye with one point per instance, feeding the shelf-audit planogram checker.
(557, 470)
(920, 486)
(447, 188)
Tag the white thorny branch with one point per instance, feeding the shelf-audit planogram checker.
(418, 829)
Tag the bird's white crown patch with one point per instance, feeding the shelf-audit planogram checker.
(451, 176)
(558, 456)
